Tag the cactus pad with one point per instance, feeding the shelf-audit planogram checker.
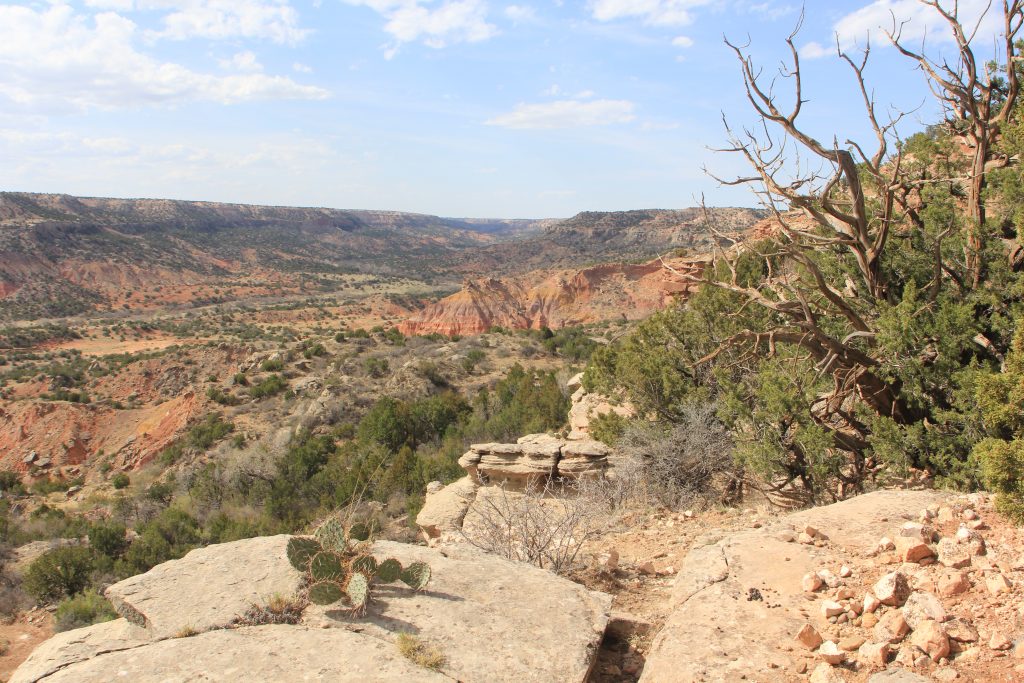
(365, 564)
(301, 551)
(416, 575)
(331, 535)
(359, 531)
(325, 592)
(389, 570)
(358, 590)
(326, 566)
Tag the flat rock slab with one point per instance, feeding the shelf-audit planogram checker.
(70, 647)
(260, 653)
(715, 633)
(208, 588)
(493, 619)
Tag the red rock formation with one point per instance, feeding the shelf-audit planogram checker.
(555, 299)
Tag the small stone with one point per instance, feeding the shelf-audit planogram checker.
(921, 606)
(892, 589)
(884, 544)
(647, 568)
(999, 641)
(952, 584)
(868, 620)
(912, 549)
(952, 554)
(931, 639)
(809, 637)
(824, 673)
(874, 654)
(845, 572)
(811, 582)
(969, 514)
(891, 628)
(831, 608)
(915, 530)
(946, 515)
(608, 562)
(829, 652)
(845, 593)
(871, 603)
(974, 541)
(976, 524)
(786, 536)
(830, 579)
(810, 530)
(961, 630)
(806, 539)
(800, 667)
(946, 674)
(688, 514)
(851, 643)
(997, 584)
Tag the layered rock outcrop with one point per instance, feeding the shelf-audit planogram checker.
(556, 299)
(534, 459)
(479, 610)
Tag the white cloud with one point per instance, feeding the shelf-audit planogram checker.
(453, 21)
(921, 21)
(302, 68)
(565, 114)
(242, 61)
(274, 20)
(682, 41)
(521, 14)
(119, 5)
(55, 58)
(654, 12)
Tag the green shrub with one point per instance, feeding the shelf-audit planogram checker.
(84, 609)
(59, 573)
(108, 539)
(269, 386)
(272, 365)
(120, 481)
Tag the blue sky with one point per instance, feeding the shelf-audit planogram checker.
(529, 108)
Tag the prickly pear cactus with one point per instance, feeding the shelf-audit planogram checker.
(339, 569)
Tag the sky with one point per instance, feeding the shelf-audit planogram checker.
(482, 108)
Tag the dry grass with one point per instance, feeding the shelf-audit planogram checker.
(186, 632)
(420, 653)
(279, 609)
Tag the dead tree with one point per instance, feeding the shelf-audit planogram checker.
(977, 100)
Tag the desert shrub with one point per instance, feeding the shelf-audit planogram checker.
(84, 609)
(120, 481)
(10, 482)
(224, 398)
(376, 367)
(59, 573)
(608, 427)
(544, 525)
(168, 536)
(241, 380)
(678, 464)
(45, 487)
(269, 386)
(108, 539)
(1000, 399)
(209, 431)
(272, 365)
(473, 358)
(314, 351)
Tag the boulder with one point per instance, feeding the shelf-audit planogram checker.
(445, 508)
(921, 606)
(713, 633)
(891, 628)
(261, 653)
(931, 639)
(952, 554)
(892, 589)
(479, 610)
(208, 588)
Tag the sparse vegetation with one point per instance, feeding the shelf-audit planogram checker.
(413, 648)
